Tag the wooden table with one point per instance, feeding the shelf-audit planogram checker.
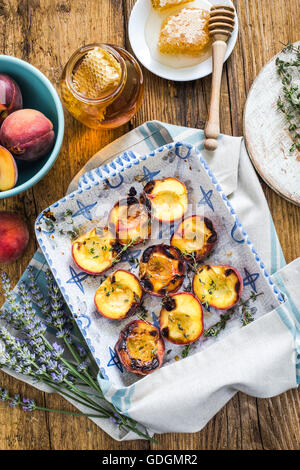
(45, 33)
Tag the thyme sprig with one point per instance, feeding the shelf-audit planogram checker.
(246, 316)
(124, 248)
(289, 101)
(247, 313)
(192, 263)
(186, 350)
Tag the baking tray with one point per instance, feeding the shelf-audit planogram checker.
(89, 206)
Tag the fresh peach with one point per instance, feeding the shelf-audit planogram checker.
(10, 96)
(27, 134)
(8, 170)
(14, 237)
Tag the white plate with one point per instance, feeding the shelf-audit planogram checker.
(137, 25)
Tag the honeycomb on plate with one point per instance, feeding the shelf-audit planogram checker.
(161, 4)
(185, 32)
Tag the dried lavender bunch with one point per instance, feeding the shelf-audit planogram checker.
(24, 348)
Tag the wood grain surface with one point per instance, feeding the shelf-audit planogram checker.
(45, 33)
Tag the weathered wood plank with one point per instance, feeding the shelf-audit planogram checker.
(46, 32)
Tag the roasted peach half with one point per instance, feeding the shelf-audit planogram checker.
(195, 237)
(140, 347)
(130, 221)
(161, 270)
(94, 253)
(181, 318)
(167, 198)
(218, 286)
(119, 295)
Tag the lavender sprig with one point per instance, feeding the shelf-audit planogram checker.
(31, 353)
(29, 405)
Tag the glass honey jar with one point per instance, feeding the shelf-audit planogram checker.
(102, 86)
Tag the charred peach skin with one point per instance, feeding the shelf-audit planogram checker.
(119, 295)
(14, 237)
(167, 198)
(95, 253)
(140, 347)
(195, 237)
(218, 286)
(8, 170)
(161, 270)
(130, 221)
(181, 318)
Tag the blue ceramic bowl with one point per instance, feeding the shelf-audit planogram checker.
(38, 93)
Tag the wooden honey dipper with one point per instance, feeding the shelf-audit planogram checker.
(221, 25)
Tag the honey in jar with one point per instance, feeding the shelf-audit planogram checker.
(102, 86)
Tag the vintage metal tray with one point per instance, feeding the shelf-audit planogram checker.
(89, 206)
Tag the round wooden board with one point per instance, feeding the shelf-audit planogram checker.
(267, 137)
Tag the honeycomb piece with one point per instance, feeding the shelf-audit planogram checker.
(97, 73)
(161, 4)
(185, 33)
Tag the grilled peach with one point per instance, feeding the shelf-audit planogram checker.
(161, 270)
(95, 253)
(130, 221)
(181, 318)
(140, 347)
(167, 199)
(218, 286)
(195, 237)
(119, 295)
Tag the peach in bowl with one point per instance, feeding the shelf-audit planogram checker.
(26, 157)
